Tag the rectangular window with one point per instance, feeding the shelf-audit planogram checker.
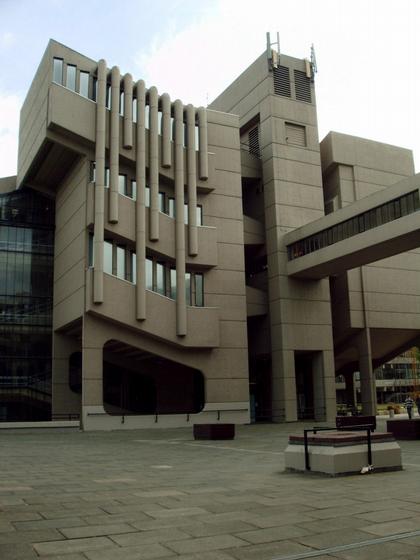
(107, 176)
(122, 184)
(188, 287)
(160, 279)
(133, 268)
(159, 122)
(199, 289)
(199, 214)
(94, 89)
(147, 116)
(71, 77)
(162, 202)
(147, 197)
(122, 103)
(197, 138)
(108, 96)
(134, 190)
(92, 172)
(172, 129)
(149, 274)
(58, 71)
(134, 109)
(171, 207)
(108, 257)
(121, 262)
(173, 283)
(84, 84)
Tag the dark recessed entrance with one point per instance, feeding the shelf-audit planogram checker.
(138, 382)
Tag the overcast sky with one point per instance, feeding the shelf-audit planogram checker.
(368, 81)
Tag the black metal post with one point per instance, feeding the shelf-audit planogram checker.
(305, 440)
(369, 444)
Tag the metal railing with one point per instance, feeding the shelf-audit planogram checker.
(361, 427)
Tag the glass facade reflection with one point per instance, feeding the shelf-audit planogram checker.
(26, 289)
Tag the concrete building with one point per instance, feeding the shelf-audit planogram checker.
(205, 264)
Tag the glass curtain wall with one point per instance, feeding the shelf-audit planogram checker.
(26, 286)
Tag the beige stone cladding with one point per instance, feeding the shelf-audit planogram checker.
(378, 305)
(102, 143)
(384, 295)
(300, 318)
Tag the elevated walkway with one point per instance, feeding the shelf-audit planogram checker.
(373, 228)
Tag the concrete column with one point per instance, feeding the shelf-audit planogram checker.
(203, 147)
(350, 389)
(153, 165)
(140, 204)
(181, 306)
(98, 240)
(92, 366)
(192, 183)
(166, 130)
(64, 400)
(284, 404)
(128, 111)
(325, 408)
(114, 145)
(367, 378)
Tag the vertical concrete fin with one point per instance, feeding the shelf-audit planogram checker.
(114, 145)
(128, 111)
(153, 165)
(166, 130)
(192, 183)
(203, 145)
(98, 241)
(181, 306)
(140, 203)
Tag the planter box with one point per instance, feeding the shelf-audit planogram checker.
(351, 421)
(214, 431)
(404, 428)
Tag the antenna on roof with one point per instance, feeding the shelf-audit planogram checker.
(313, 61)
(273, 56)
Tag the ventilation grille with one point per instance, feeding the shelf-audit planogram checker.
(295, 134)
(281, 77)
(302, 87)
(254, 142)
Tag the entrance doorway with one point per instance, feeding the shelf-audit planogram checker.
(304, 385)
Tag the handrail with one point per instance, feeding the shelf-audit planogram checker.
(314, 430)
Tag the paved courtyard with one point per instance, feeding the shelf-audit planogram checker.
(149, 494)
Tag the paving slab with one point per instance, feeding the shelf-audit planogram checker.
(146, 494)
(70, 546)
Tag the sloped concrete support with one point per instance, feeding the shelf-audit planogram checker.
(367, 378)
(64, 400)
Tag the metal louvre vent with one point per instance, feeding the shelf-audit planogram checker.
(254, 142)
(295, 134)
(302, 87)
(281, 77)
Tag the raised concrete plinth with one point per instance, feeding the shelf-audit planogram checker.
(339, 453)
(404, 428)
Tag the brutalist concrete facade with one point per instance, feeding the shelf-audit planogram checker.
(179, 294)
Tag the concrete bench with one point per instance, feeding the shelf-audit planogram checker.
(353, 421)
(214, 431)
(404, 428)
